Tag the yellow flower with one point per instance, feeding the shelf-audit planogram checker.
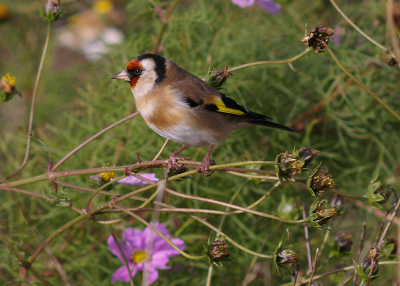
(3, 12)
(9, 79)
(106, 176)
(103, 6)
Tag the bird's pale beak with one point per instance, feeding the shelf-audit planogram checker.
(124, 75)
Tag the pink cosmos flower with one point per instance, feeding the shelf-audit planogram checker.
(134, 249)
(267, 5)
(133, 181)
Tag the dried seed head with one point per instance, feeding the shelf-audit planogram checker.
(367, 263)
(220, 76)
(374, 253)
(218, 250)
(289, 164)
(287, 257)
(321, 181)
(308, 155)
(318, 38)
(324, 214)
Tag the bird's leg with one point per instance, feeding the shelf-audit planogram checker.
(205, 165)
(173, 160)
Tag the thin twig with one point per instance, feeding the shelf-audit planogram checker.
(210, 270)
(136, 168)
(57, 265)
(360, 83)
(163, 24)
(237, 207)
(357, 28)
(362, 237)
(388, 225)
(161, 150)
(294, 274)
(270, 62)
(317, 277)
(308, 247)
(24, 263)
(203, 221)
(392, 29)
(314, 267)
(66, 157)
(32, 112)
(373, 262)
(122, 253)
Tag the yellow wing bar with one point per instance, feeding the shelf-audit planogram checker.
(223, 108)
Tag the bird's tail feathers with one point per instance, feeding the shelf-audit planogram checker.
(272, 125)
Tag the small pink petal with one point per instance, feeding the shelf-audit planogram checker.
(244, 3)
(269, 6)
(133, 181)
(159, 260)
(121, 274)
(135, 238)
(115, 250)
(153, 275)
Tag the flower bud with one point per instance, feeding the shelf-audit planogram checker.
(7, 87)
(344, 242)
(52, 11)
(218, 250)
(52, 6)
(384, 193)
(103, 178)
(289, 164)
(287, 257)
(216, 78)
(308, 155)
(374, 252)
(366, 265)
(320, 181)
(318, 38)
(392, 62)
(324, 214)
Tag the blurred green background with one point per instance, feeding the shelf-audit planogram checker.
(357, 138)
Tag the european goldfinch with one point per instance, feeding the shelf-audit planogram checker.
(183, 108)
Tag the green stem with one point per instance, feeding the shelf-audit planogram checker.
(203, 221)
(54, 235)
(358, 29)
(360, 83)
(163, 25)
(348, 195)
(289, 221)
(287, 61)
(122, 253)
(66, 157)
(32, 112)
(316, 277)
(56, 175)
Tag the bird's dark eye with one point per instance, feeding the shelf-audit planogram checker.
(135, 72)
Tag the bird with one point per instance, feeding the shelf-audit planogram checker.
(183, 108)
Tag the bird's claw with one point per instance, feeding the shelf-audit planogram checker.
(173, 164)
(205, 167)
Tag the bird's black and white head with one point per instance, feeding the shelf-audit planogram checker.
(143, 73)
